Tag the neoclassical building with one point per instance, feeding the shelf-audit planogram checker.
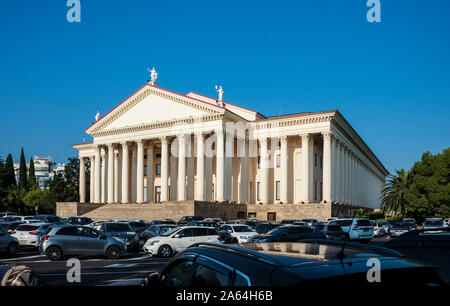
(161, 146)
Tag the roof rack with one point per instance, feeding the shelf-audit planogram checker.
(241, 252)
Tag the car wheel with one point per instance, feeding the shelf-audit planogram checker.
(11, 250)
(53, 253)
(234, 240)
(165, 251)
(113, 252)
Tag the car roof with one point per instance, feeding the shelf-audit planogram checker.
(194, 226)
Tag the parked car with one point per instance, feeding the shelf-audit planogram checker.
(287, 233)
(329, 231)
(18, 275)
(78, 220)
(240, 233)
(203, 223)
(137, 226)
(8, 244)
(48, 218)
(7, 213)
(359, 229)
(310, 222)
(433, 224)
(331, 219)
(289, 221)
(385, 225)
(73, 240)
(121, 231)
(289, 264)
(184, 220)
(32, 221)
(97, 224)
(265, 227)
(25, 218)
(252, 223)
(430, 246)
(446, 222)
(378, 229)
(166, 221)
(399, 228)
(8, 227)
(157, 230)
(178, 239)
(27, 234)
(302, 223)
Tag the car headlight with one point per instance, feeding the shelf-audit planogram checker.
(153, 242)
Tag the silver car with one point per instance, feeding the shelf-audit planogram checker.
(79, 240)
(8, 244)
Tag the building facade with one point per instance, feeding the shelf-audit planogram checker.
(161, 146)
(44, 169)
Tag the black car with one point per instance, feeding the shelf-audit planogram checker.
(430, 246)
(252, 223)
(289, 221)
(330, 231)
(122, 231)
(48, 218)
(289, 264)
(157, 230)
(186, 219)
(287, 233)
(78, 220)
(138, 227)
(265, 227)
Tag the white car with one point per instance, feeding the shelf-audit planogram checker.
(378, 228)
(446, 222)
(241, 233)
(178, 239)
(28, 234)
(359, 229)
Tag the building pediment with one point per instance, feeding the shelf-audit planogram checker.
(152, 105)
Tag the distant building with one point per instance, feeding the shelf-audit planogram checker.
(44, 169)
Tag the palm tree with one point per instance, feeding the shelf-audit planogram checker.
(393, 192)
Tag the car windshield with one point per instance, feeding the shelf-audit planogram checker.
(138, 224)
(26, 228)
(170, 232)
(164, 229)
(277, 231)
(242, 229)
(118, 227)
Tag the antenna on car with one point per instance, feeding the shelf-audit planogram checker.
(341, 254)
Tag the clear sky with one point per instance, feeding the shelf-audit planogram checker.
(390, 80)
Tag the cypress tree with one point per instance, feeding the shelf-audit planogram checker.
(10, 180)
(31, 175)
(23, 181)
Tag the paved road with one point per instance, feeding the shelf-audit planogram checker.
(95, 271)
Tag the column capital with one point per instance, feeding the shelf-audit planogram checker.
(110, 145)
(283, 139)
(327, 134)
(181, 138)
(262, 140)
(124, 144)
(164, 140)
(305, 137)
(140, 142)
(82, 158)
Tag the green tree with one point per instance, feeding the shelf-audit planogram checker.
(31, 175)
(72, 176)
(10, 179)
(393, 192)
(39, 201)
(23, 181)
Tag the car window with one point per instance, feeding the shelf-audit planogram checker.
(242, 229)
(334, 228)
(68, 231)
(153, 228)
(27, 228)
(87, 232)
(205, 276)
(211, 231)
(187, 232)
(200, 232)
(118, 227)
(177, 274)
(363, 223)
(53, 219)
(343, 222)
(164, 229)
(226, 228)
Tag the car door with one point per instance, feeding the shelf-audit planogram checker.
(182, 239)
(213, 236)
(210, 273)
(89, 241)
(67, 239)
(200, 235)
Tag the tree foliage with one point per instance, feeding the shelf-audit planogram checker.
(31, 175)
(23, 181)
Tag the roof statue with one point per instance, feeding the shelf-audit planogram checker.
(220, 92)
(153, 75)
(97, 116)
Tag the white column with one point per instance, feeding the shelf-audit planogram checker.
(116, 176)
(164, 168)
(133, 172)
(92, 180)
(110, 175)
(173, 173)
(189, 169)
(200, 192)
(337, 182)
(140, 172)
(344, 175)
(125, 173)
(243, 192)
(103, 195)
(97, 175)
(82, 181)
(305, 168)
(264, 192)
(181, 196)
(229, 152)
(220, 173)
(326, 166)
(150, 185)
(333, 169)
(352, 178)
(283, 170)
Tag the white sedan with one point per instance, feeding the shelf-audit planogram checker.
(241, 233)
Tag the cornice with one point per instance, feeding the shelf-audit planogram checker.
(285, 122)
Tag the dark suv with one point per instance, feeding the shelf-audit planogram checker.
(315, 264)
(287, 233)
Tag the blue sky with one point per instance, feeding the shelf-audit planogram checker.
(390, 80)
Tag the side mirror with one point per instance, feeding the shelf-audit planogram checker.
(151, 281)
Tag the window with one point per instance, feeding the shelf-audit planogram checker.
(158, 169)
(188, 232)
(278, 160)
(200, 232)
(177, 274)
(158, 155)
(251, 215)
(315, 191)
(257, 191)
(259, 162)
(211, 232)
(321, 191)
(157, 194)
(68, 231)
(321, 162)
(315, 159)
(207, 277)
(87, 232)
(277, 188)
